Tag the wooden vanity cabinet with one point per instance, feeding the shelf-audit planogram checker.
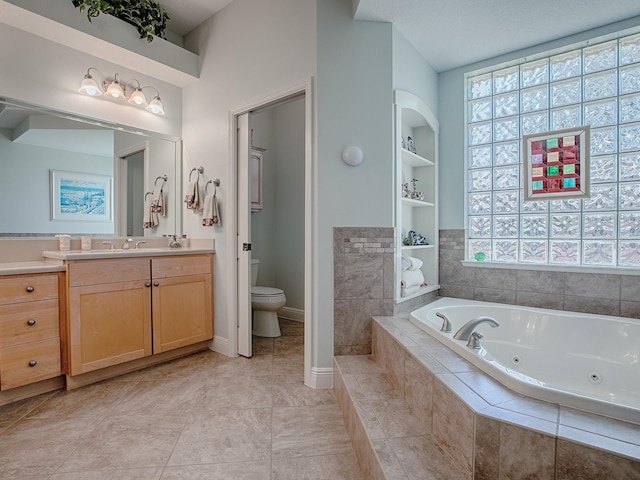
(109, 312)
(128, 308)
(29, 329)
(182, 303)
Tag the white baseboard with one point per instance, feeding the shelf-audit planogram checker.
(220, 345)
(321, 378)
(289, 313)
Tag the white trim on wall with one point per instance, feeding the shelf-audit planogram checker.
(295, 314)
(220, 345)
(322, 377)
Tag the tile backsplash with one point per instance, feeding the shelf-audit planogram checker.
(606, 294)
(364, 281)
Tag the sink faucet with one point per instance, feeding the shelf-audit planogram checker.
(140, 242)
(465, 331)
(108, 243)
(125, 245)
(174, 242)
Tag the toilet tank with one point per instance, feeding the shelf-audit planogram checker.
(254, 271)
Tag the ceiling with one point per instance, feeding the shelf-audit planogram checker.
(452, 33)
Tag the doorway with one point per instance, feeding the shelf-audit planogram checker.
(270, 222)
(130, 168)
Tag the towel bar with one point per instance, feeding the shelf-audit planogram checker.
(161, 177)
(194, 169)
(216, 182)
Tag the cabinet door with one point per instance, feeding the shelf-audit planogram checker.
(182, 311)
(109, 324)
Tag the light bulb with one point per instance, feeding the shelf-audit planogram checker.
(155, 106)
(138, 98)
(90, 87)
(115, 90)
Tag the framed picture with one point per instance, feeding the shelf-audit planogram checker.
(556, 164)
(80, 196)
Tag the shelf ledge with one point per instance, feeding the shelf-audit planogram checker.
(417, 247)
(415, 160)
(422, 291)
(416, 203)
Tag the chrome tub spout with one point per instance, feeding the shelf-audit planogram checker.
(465, 331)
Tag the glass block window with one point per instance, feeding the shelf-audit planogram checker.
(596, 85)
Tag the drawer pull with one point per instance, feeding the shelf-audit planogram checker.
(30, 289)
(32, 363)
(156, 283)
(31, 322)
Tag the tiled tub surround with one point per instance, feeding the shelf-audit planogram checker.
(417, 410)
(606, 294)
(364, 270)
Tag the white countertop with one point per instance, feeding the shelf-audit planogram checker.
(119, 253)
(18, 268)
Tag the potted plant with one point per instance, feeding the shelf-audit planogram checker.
(149, 17)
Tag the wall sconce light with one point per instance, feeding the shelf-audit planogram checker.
(352, 156)
(113, 88)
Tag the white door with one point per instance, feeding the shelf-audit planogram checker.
(244, 237)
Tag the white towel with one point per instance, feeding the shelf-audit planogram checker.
(158, 202)
(210, 212)
(404, 291)
(150, 218)
(192, 198)
(411, 263)
(411, 278)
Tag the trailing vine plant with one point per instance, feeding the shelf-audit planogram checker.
(149, 17)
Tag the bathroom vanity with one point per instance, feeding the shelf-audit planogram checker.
(81, 317)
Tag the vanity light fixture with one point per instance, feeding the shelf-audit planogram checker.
(115, 89)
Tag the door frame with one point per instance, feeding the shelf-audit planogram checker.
(310, 223)
(120, 188)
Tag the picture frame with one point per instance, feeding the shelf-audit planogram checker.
(77, 196)
(556, 164)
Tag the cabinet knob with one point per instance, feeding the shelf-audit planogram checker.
(30, 289)
(31, 322)
(33, 363)
(156, 283)
(147, 284)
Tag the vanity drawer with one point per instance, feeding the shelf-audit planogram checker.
(21, 323)
(29, 362)
(27, 288)
(98, 272)
(181, 265)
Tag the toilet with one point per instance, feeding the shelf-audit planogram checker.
(265, 303)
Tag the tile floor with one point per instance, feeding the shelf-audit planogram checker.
(205, 417)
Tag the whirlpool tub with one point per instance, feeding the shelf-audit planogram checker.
(589, 362)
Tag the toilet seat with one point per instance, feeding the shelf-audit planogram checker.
(258, 291)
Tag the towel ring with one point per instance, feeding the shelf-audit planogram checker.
(161, 177)
(146, 195)
(216, 184)
(194, 169)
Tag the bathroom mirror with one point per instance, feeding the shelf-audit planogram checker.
(67, 174)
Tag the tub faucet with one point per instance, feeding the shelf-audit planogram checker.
(446, 324)
(465, 331)
(474, 340)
